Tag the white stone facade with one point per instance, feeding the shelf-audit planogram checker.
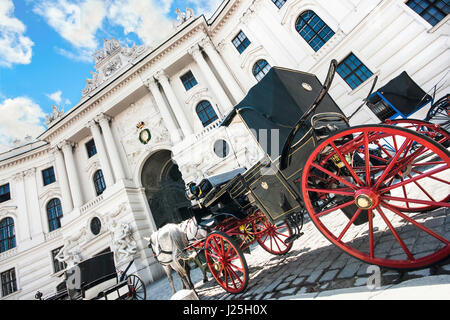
(139, 84)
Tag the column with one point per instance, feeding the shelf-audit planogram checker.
(22, 227)
(72, 174)
(225, 102)
(101, 150)
(111, 146)
(222, 69)
(32, 198)
(174, 104)
(66, 201)
(164, 110)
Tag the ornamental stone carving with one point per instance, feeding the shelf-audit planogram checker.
(183, 17)
(54, 116)
(124, 244)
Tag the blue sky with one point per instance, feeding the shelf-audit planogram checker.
(46, 47)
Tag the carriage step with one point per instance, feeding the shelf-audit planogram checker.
(293, 237)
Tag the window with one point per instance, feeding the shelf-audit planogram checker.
(353, 71)
(279, 3)
(206, 113)
(260, 69)
(313, 29)
(54, 214)
(432, 11)
(7, 234)
(99, 182)
(221, 148)
(188, 80)
(57, 265)
(241, 42)
(9, 284)
(5, 194)
(91, 149)
(48, 175)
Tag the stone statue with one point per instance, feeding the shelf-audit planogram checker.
(70, 253)
(124, 244)
(184, 16)
(56, 114)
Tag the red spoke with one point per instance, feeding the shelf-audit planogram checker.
(431, 177)
(349, 223)
(391, 164)
(431, 203)
(349, 168)
(335, 208)
(399, 240)
(329, 191)
(418, 225)
(371, 251)
(421, 188)
(231, 277)
(422, 175)
(236, 267)
(383, 149)
(404, 191)
(427, 163)
(367, 159)
(334, 176)
(234, 273)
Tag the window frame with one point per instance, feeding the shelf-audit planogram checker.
(10, 280)
(329, 31)
(99, 182)
(243, 44)
(353, 71)
(4, 195)
(261, 69)
(57, 207)
(90, 146)
(427, 11)
(204, 105)
(50, 178)
(10, 239)
(189, 82)
(279, 3)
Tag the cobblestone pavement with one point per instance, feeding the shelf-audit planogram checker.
(312, 265)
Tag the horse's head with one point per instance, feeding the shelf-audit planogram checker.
(153, 243)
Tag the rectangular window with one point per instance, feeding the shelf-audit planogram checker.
(57, 265)
(432, 11)
(5, 194)
(91, 149)
(188, 80)
(9, 284)
(353, 71)
(48, 175)
(279, 3)
(241, 42)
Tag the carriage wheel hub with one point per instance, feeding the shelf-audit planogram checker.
(366, 199)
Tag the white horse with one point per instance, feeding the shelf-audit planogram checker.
(167, 244)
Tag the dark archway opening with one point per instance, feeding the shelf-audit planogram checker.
(165, 189)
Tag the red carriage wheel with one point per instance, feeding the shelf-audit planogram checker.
(374, 179)
(432, 130)
(272, 237)
(226, 262)
(136, 288)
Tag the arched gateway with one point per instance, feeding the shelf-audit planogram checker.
(164, 189)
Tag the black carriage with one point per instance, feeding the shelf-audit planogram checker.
(97, 279)
(372, 190)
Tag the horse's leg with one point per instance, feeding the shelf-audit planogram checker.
(188, 274)
(168, 271)
(200, 265)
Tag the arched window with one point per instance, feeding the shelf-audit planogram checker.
(260, 69)
(206, 113)
(54, 214)
(99, 182)
(431, 10)
(313, 29)
(7, 234)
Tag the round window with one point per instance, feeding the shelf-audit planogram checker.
(96, 226)
(221, 148)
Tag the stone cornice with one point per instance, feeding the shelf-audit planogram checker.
(26, 156)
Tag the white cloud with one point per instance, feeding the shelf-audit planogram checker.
(55, 96)
(15, 48)
(81, 55)
(206, 7)
(75, 22)
(20, 117)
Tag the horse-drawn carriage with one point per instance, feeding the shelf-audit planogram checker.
(371, 190)
(97, 279)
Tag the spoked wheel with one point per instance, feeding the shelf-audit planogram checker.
(272, 237)
(226, 262)
(431, 130)
(364, 198)
(136, 288)
(439, 113)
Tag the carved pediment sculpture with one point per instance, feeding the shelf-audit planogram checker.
(124, 244)
(182, 17)
(55, 115)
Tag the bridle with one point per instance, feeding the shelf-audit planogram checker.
(161, 251)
